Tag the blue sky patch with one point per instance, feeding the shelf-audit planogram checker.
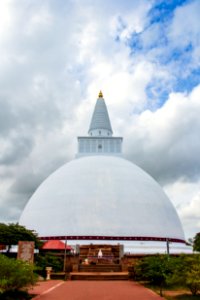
(188, 83)
(163, 10)
(157, 94)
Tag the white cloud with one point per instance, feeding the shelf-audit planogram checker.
(190, 214)
(185, 26)
(5, 18)
(134, 21)
(184, 30)
(185, 196)
(169, 137)
(192, 210)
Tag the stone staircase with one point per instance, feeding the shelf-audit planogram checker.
(99, 276)
(99, 272)
(100, 268)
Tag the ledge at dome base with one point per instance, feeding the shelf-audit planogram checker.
(113, 238)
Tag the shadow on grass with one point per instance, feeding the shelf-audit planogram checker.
(15, 295)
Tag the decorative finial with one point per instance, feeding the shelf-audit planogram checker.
(100, 94)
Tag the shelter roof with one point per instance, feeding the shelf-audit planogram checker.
(55, 245)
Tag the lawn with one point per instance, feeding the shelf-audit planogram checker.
(175, 293)
(184, 296)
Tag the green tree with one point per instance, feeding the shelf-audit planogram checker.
(196, 243)
(187, 272)
(48, 260)
(11, 234)
(155, 269)
(15, 274)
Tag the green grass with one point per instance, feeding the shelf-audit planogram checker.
(183, 297)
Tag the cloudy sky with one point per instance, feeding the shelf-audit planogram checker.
(55, 56)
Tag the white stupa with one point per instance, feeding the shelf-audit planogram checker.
(100, 197)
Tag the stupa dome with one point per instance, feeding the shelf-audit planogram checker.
(101, 196)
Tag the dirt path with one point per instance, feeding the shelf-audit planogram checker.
(93, 290)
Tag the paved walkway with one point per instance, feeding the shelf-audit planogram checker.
(90, 290)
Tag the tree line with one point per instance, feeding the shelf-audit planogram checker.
(163, 271)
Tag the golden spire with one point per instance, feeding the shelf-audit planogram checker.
(100, 94)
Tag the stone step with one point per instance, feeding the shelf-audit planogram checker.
(100, 268)
(99, 276)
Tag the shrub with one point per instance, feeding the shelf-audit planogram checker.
(15, 274)
(155, 269)
(187, 272)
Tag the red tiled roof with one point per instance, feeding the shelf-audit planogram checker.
(55, 245)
